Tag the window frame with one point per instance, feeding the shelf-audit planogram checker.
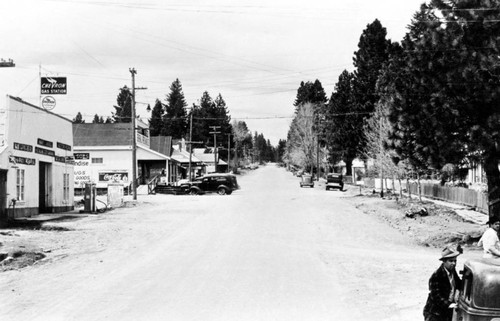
(20, 184)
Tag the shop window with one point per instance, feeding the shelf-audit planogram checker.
(20, 184)
(97, 160)
(66, 187)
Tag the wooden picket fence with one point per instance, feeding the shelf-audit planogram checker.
(457, 195)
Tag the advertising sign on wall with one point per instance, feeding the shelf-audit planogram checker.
(113, 177)
(82, 175)
(81, 156)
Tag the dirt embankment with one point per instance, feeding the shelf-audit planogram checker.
(427, 223)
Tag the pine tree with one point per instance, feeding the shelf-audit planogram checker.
(202, 119)
(123, 110)
(372, 54)
(310, 92)
(175, 122)
(156, 120)
(78, 119)
(97, 119)
(341, 128)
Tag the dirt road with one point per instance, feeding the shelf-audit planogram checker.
(270, 251)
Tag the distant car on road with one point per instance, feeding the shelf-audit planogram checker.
(306, 180)
(334, 180)
(219, 183)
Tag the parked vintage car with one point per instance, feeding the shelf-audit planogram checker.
(479, 298)
(306, 180)
(334, 180)
(219, 183)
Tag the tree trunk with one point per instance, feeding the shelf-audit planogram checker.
(419, 188)
(400, 188)
(348, 167)
(493, 177)
(408, 187)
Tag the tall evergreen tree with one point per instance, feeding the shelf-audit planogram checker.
(281, 150)
(208, 114)
(175, 122)
(97, 119)
(372, 54)
(310, 92)
(341, 128)
(78, 119)
(156, 120)
(123, 109)
(203, 119)
(224, 121)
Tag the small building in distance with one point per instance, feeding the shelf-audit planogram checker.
(104, 152)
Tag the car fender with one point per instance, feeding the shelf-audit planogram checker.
(199, 190)
(224, 186)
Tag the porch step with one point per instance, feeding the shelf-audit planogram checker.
(142, 189)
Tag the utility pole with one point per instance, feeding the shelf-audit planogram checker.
(134, 144)
(215, 132)
(228, 151)
(318, 172)
(381, 158)
(190, 142)
(133, 72)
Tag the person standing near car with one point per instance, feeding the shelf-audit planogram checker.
(444, 286)
(489, 241)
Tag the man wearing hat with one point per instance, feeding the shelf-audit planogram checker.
(444, 286)
(489, 241)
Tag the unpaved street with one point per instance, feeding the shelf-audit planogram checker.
(270, 251)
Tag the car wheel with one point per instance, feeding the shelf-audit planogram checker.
(221, 191)
(193, 192)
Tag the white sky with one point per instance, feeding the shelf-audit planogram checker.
(254, 53)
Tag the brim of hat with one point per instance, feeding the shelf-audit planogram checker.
(450, 256)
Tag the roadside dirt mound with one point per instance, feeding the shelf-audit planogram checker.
(429, 224)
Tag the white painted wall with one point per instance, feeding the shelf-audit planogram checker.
(26, 124)
(115, 158)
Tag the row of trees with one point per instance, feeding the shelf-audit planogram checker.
(428, 103)
(172, 118)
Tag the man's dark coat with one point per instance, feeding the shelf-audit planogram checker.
(439, 293)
